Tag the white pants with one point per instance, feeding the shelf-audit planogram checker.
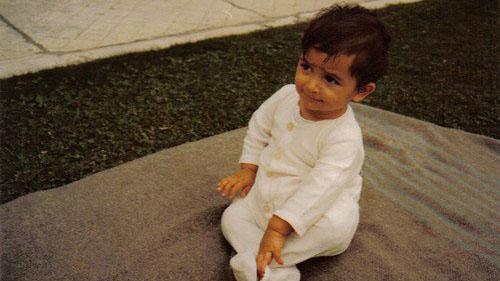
(330, 236)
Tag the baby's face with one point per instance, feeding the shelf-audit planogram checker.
(325, 87)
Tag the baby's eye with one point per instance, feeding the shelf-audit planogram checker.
(305, 66)
(331, 80)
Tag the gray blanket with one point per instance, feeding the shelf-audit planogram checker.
(429, 211)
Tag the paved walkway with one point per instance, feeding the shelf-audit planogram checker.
(45, 33)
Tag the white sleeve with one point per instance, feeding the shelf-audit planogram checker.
(337, 166)
(259, 127)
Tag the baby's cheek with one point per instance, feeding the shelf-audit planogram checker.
(299, 76)
(297, 81)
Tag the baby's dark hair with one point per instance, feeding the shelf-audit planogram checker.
(351, 30)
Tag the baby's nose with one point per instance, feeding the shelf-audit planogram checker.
(312, 85)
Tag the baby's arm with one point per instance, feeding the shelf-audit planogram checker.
(272, 242)
(256, 139)
(241, 181)
(260, 126)
(339, 164)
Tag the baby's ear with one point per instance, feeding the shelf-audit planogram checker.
(364, 91)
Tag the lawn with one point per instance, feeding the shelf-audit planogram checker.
(57, 126)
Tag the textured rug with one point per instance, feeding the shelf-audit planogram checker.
(429, 211)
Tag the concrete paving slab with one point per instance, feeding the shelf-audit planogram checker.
(91, 24)
(13, 45)
(44, 34)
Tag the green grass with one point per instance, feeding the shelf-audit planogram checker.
(60, 125)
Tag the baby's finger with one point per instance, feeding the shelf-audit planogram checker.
(258, 260)
(237, 187)
(226, 189)
(266, 260)
(277, 257)
(221, 183)
(262, 263)
(245, 190)
(224, 181)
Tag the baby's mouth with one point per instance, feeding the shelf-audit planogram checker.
(310, 97)
(316, 100)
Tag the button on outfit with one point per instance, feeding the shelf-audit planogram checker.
(266, 208)
(278, 154)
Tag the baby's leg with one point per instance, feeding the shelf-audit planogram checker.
(240, 228)
(330, 236)
(325, 238)
(242, 232)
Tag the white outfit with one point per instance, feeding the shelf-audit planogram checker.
(308, 175)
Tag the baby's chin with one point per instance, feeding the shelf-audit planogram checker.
(313, 111)
(312, 104)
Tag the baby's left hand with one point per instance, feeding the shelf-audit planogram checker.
(270, 247)
(242, 181)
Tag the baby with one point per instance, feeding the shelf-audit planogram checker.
(296, 194)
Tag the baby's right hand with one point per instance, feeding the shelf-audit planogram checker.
(242, 181)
